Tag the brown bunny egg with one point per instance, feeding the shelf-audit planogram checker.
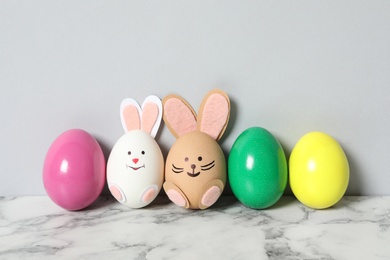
(194, 161)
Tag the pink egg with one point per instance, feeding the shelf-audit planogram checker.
(74, 170)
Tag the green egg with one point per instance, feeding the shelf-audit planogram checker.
(257, 168)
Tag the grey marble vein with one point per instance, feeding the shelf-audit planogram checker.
(35, 228)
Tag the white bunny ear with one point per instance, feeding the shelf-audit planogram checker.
(148, 118)
(130, 113)
(151, 115)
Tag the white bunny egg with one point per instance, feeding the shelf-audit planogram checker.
(135, 167)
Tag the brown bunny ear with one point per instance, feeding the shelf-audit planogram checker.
(214, 113)
(179, 116)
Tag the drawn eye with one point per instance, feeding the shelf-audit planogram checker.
(200, 158)
(129, 153)
(186, 159)
(143, 152)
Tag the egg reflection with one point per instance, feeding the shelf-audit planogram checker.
(249, 162)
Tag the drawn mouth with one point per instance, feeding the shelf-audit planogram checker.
(193, 174)
(135, 168)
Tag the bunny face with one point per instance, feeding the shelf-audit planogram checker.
(195, 160)
(135, 159)
(135, 168)
(196, 167)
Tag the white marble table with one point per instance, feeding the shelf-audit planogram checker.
(35, 228)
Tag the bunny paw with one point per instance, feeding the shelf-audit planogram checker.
(117, 193)
(212, 192)
(211, 196)
(149, 194)
(176, 195)
(176, 198)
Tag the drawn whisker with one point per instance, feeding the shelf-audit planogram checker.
(177, 169)
(207, 165)
(204, 168)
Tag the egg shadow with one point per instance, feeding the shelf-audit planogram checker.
(233, 118)
(284, 201)
(355, 185)
(101, 202)
(106, 148)
(164, 147)
(225, 201)
(287, 152)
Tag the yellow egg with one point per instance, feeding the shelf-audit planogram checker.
(319, 170)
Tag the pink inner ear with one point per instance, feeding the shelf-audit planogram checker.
(131, 117)
(215, 114)
(180, 117)
(149, 117)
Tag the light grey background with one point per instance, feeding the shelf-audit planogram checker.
(289, 66)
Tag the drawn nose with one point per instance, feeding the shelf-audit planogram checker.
(193, 166)
(135, 160)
